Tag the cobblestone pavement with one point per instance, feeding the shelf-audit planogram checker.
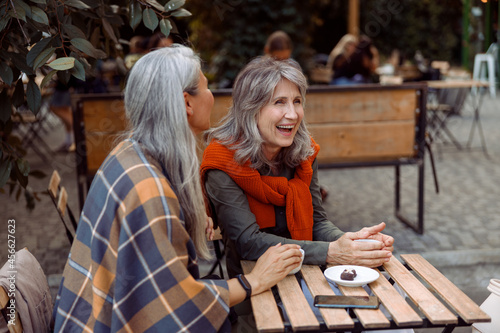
(462, 222)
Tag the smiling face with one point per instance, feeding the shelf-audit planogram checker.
(279, 119)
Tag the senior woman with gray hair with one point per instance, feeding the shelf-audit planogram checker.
(261, 175)
(133, 264)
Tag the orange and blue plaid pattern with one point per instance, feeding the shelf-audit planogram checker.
(132, 266)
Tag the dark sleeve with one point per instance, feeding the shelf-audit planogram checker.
(324, 229)
(238, 223)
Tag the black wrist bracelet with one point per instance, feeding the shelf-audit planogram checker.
(244, 283)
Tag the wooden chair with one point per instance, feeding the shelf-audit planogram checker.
(17, 326)
(60, 199)
(219, 254)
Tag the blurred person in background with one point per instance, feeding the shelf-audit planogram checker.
(279, 45)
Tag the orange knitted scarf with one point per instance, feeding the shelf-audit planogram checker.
(265, 192)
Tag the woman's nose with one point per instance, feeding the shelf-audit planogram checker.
(291, 113)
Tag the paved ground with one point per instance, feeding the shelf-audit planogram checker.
(462, 222)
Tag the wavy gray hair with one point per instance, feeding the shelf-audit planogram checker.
(155, 107)
(252, 90)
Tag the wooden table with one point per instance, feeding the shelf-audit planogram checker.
(422, 309)
(438, 116)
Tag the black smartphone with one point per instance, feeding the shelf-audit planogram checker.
(362, 302)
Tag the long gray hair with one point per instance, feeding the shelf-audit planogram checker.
(155, 107)
(252, 90)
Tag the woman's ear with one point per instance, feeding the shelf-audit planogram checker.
(187, 101)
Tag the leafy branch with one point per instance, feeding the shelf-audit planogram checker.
(43, 38)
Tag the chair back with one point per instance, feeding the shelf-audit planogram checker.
(493, 49)
(59, 197)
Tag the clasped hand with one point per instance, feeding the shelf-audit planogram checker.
(273, 266)
(345, 251)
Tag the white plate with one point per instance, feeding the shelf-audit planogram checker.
(364, 275)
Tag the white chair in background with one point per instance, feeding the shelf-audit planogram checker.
(489, 59)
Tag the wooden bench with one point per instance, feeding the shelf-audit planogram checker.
(372, 125)
(356, 126)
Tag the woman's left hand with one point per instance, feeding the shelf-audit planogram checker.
(346, 251)
(209, 230)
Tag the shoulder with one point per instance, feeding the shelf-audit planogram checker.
(218, 179)
(216, 151)
(130, 178)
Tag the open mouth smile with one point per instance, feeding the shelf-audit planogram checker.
(285, 129)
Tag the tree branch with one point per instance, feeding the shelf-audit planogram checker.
(20, 25)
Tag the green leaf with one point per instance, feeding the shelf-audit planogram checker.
(181, 13)
(5, 106)
(33, 96)
(60, 13)
(109, 30)
(23, 166)
(62, 64)
(42, 2)
(43, 57)
(5, 168)
(78, 71)
(135, 14)
(73, 31)
(6, 73)
(3, 22)
(36, 50)
(150, 19)
(47, 78)
(19, 13)
(19, 4)
(174, 4)
(86, 47)
(96, 3)
(165, 26)
(155, 4)
(38, 15)
(19, 61)
(18, 95)
(76, 4)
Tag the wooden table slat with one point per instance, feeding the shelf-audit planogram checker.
(298, 310)
(433, 309)
(457, 299)
(401, 312)
(453, 84)
(266, 313)
(317, 284)
(370, 318)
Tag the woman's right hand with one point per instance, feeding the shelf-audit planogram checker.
(273, 266)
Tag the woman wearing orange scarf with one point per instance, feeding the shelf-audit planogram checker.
(261, 175)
